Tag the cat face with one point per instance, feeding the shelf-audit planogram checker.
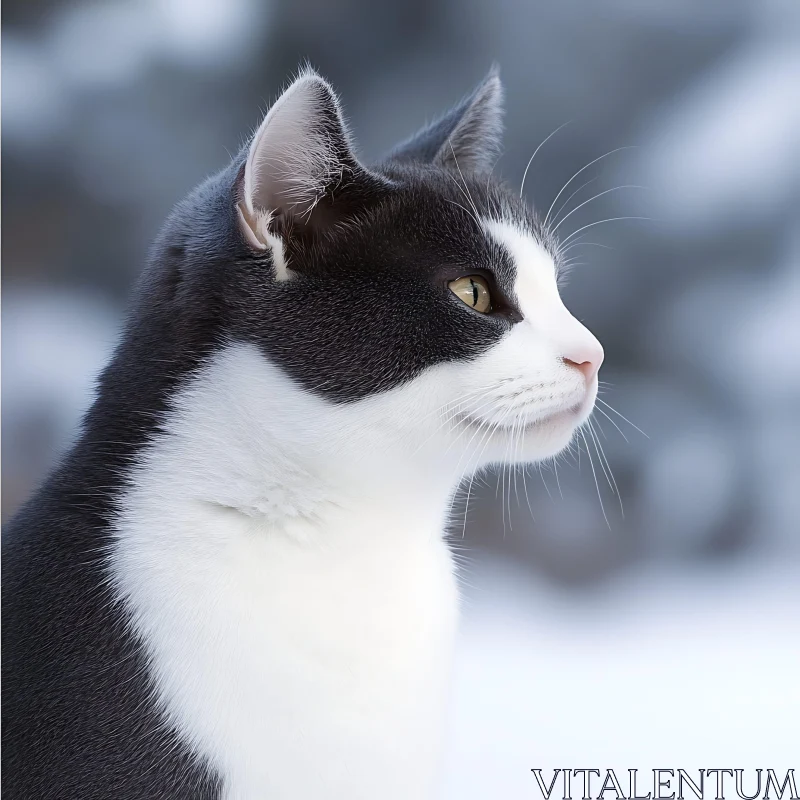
(418, 297)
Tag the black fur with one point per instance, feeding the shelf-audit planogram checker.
(367, 307)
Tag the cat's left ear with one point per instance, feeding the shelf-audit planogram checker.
(301, 171)
(468, 137)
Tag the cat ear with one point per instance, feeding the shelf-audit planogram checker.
(300, 157)
(469, 136)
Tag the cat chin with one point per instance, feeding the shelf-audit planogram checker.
(537, 441)
(546, 439)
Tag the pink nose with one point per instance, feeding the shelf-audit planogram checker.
(588, 361)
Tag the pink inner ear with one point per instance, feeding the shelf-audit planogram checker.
(296, 152)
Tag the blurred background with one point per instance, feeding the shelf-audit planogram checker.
(667, 635)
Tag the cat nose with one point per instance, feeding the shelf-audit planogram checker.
(587, 358)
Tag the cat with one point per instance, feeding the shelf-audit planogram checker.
(237, 584)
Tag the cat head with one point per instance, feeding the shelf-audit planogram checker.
(417, 297)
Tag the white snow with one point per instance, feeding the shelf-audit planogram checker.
(692, 669)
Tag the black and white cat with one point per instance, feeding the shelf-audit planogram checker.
(236, 585)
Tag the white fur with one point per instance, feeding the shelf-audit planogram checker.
(537, 294)
(283, 558)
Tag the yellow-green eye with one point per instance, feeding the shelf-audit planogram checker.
(474, 291)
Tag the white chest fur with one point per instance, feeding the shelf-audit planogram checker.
(299, 628)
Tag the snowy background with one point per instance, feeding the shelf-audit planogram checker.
(669, 636)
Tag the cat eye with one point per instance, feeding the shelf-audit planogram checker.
(474, 291)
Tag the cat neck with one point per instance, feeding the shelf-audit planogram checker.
(242, 436)
(303, 548)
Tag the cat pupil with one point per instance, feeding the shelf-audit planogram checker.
(474, 292)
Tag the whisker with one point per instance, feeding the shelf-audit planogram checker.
(558, 482)
(594, 475)
(585, 244)
(449, 411)
(566, 202)
(458, 401)
(546, 487)
(604, 457)
(593, 440)
(601, 222)
(466, 195)
(611, 408)
(464, 208)
(488, 402)
(469, 397)
(530, 160)
(600, 194)
(466, 188)
(518, 465)
(613, 423)
(501, 489)
(514, 466)
(571, 261)
(502, 484)
(483, 441)
(525, 488)
(510, 462)
(566, 271)
(583, 169)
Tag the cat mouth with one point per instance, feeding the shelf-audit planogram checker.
(516, 427)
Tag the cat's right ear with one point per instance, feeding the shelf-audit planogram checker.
(300, 160)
